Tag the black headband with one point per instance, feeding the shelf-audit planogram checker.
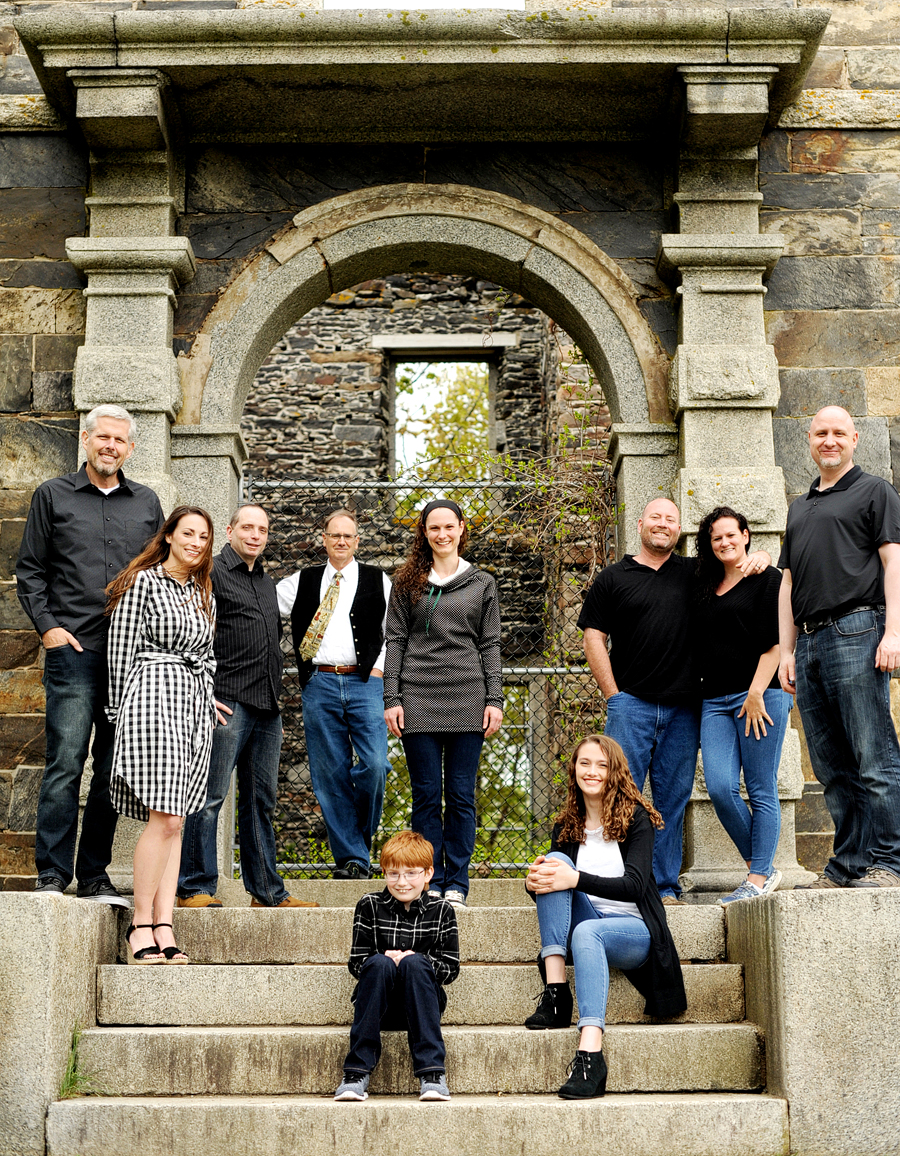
(442, 504)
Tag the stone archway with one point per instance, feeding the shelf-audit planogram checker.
(366, 234)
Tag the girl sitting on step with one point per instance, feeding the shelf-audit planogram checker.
(597, 899)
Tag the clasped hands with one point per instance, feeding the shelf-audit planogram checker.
(545, 875)
(396, 955)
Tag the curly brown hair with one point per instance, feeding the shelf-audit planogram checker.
(157, 550)
(620, 797)
(412, 577)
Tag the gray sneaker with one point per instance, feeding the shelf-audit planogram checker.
(433, 1086)
(49, 886)
(353, 1086)
(455, 898)
(877, 877)
(822, 883)
(746, 890)
(771, 883)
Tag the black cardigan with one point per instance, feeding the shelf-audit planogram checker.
(659, 978)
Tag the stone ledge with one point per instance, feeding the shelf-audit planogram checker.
(28, 113)
(843, 108)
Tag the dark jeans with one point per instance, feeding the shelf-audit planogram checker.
(76, 685)
(845, 705)
(391, 997)
(445, 763)
(251, 741)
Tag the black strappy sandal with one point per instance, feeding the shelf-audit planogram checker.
(144, 955)
(171, 953)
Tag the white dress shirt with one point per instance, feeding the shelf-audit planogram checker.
(338, 647)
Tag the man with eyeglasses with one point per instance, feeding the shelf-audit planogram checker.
(338, 614)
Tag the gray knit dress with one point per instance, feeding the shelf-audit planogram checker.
(444, 678)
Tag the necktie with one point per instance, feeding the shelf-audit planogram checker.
(312, 639)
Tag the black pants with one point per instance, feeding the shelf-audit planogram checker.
(391, 997)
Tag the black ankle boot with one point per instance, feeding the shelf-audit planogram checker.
(554, 1009)
(587, 1077)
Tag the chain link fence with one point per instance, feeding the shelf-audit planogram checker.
(551, 698)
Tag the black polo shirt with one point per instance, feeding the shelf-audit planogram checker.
(646, 613)
(831, 545)
(248, 633)
(77, 539)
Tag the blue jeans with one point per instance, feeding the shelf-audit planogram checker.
(725, 750)
(445, 764)
(845, 706)
(343, 715)
(570, 922)
(251, 741)
(391, 997)
(76, 685)
(662, 740)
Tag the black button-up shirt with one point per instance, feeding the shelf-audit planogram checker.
(248, 633)
(77, 539)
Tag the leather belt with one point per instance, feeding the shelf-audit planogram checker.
(338, 669)
(820, 623)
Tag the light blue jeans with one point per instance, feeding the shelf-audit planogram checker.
(725, 750)
(569, 921)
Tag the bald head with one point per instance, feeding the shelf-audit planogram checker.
(833, 414)
(661, 504)
(659, 526)
(832, 441)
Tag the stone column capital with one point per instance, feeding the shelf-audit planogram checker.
(172, 255)
(681, 251)
(726, 106)
(641, 440)
(121, 108)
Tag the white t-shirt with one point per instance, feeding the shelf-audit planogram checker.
(598, 857)
(436, 580)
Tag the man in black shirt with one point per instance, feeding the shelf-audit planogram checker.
(82, 529)
(839, 617)
(247, 685)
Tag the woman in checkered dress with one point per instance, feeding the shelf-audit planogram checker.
(161, 670)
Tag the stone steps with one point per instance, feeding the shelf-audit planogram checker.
(711, 1124)
(315, 994)
(487, 935)
(254, 1061)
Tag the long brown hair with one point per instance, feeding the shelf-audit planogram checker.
(620, 797)
(412, 577)
(157, 550)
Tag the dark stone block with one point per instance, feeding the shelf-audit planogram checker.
(23, 274)
(12, 616)
(634, 235)
(18, 648)
(55, 352)
(44, 448)
(811, 813)
(231, 234)
(41, 160)
(10, 540)
(814, 190)
(18, 78)
(894, 430)
(5, 793)
(211, 276)
(15, 373)
(792, 454)
(38, 221)
(192, 310)
(826, 338)
(805, 391)
(660, 313)
(774, 155)
(881, 222)
(52, 391)
(814, 850)
(21, 739)
(831, 283)
(26, 788)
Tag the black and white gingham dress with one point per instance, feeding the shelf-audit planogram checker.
(161, 669)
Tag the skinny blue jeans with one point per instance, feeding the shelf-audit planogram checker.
(569, 921)
(726, 749)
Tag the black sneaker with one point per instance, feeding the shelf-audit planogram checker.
(102, 891)
(554, 1009)
(351, 871)
(587, 1077)
(49, 886)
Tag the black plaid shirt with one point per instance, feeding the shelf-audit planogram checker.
(381, 923)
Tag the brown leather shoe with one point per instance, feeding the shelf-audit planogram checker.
(671, 901)
(289, 901)
(200, 900)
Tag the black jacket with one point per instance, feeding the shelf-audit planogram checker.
(659, 979)
(366, 617)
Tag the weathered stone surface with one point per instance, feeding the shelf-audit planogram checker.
(15, 373)
(872, 68)
(831, 108)
(822, 151)
(786, 943)
(23, 274)
(809, 191)
(846, 337)
(29, 112)
(774, 152)
(895, 446)
(5, 792)
(827, 69)
(883, 391)
(10, 540)
(23, 803)
(18, 648)
(21, 738)
(834, 283)
(21, 691)
(192, 310)
(14, 503)
(55, 352)
(18, 76)
(632, 235)
(34, 451)
(874, 22)
(52, 392)
(41, 310)
(873, 453)
(805, 391)
(17, 852)
(819, 232)
(39, 161)
(12, 616)
(230, 234)
(881, 222)
(38, 221)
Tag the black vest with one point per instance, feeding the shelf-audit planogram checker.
(366, 616)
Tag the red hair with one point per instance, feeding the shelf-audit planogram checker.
(406, 849)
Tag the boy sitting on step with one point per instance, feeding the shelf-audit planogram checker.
(405, 949)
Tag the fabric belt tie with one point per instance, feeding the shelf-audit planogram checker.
(192, 661)
(815, 624)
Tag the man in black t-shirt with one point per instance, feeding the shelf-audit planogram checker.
(839, 617)
(642, 606)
